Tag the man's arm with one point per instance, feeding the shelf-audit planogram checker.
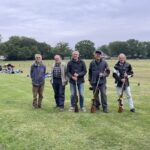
(44, 69)
(84, 71)
(107, 70)
(31, 71)
(90, 72)
(116, 74)
(130, 71)
(68, 71)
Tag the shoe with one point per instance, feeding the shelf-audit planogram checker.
(56, 107)
(132, 110)
(97, 108)
(83, 109)
(39, 106)
(105, 111)
(61, 109)
(34, 106)
(71, 109)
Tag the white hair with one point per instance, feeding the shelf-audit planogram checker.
(38, 55)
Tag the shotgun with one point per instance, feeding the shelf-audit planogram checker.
(76, 109)
(93, 107)
(105, 74)
(120, 99)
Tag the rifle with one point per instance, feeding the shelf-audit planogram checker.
(76, 109)
(93, 107)
(120, 100)
(105, 74)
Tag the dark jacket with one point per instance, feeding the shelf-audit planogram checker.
(95, 69)
(76, 67)
(37, 74)
(120, 70)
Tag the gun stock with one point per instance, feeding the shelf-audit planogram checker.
(76, 109)
(93, 107)
(120, 100)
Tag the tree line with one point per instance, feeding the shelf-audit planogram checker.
(24, 48)
(131, 48)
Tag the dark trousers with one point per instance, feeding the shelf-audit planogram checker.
(102, 90)
(37, 95)
(59, 92)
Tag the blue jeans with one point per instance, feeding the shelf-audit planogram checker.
(80, 87)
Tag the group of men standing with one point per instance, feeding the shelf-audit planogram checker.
(74, 72)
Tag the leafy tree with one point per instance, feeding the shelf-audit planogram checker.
(45, 50)
(147, 49)
(118, 47)
(24, 48)
(133, 47)
(86, 48)
(105, 49)
(62, 49)
(0, 38)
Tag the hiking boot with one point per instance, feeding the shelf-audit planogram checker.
(34, 104)
(105, 111)
(61, 109)
(83, 109)
(39, 106)
(71, 109)
(97, 108)
(132, 110)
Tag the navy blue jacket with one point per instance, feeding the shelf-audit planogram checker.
(76, 67)
(95, 69)
(37, 74)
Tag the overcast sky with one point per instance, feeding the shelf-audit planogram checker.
(52, 21)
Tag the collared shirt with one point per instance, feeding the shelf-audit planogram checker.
(57, 71)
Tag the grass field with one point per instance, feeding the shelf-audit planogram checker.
(25, 128)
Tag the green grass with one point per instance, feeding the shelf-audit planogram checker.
(24, 128)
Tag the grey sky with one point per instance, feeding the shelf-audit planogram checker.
(52, 21)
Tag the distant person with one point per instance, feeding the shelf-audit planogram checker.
(76, 70)
(122, 72)
(37, 73)
(99, 69)
(59, 81)
(10, 68)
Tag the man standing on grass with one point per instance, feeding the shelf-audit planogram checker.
(99, 69)
(59, 81)
(37, 73)
(76, 71)
(122, 72)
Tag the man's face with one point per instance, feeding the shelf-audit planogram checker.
(75, 55)
(122, 59)
(57, 59)
(38, 59)
(98, 56)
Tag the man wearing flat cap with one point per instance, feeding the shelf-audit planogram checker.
(99, 69)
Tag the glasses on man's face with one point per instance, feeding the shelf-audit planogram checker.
(38, 57)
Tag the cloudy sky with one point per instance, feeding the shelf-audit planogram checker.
(52, 21)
